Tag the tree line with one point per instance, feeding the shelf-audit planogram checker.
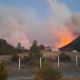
(7, 49)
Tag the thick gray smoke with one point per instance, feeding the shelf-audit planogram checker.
(17, 26)
(12, 26)
(60, 15)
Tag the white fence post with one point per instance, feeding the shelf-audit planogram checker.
(40, 62)
(58, 61)
(19, 63)
(76, 60)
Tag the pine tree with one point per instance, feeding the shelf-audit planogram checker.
(35, 51)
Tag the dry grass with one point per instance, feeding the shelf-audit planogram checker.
(74, 78)
(56, 53)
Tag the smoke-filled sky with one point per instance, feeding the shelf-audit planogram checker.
(42, 20)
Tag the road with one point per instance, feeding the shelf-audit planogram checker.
(66, 75)
(22, 78)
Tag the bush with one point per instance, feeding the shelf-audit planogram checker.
(64, 57)
(26, 59)
(47, 73)
(3, 71)
(15, 58)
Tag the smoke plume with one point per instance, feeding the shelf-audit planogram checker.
(24, 27)
(12, 26)
(60, 16)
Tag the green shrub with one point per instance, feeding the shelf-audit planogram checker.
(3, 71)
(15, 58)
(47, 73)
(64, 57)
(26, 59)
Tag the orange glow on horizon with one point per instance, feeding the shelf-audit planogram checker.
(64, 38)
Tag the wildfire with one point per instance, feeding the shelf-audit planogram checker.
(63, 38)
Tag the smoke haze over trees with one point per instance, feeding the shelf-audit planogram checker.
(24, 26)
(6, 48)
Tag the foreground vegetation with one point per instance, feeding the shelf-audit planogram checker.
(3, 71)
(47, 73)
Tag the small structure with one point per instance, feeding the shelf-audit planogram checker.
(75, 51)
(55, 49)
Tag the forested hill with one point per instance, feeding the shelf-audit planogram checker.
(6, 48)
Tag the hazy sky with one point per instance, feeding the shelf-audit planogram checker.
(39, 4)
(27, 20)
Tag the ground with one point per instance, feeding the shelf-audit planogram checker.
(69, 70)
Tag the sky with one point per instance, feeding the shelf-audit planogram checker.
(41, 6)
(27, 20)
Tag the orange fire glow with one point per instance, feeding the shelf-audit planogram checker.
(64, 38)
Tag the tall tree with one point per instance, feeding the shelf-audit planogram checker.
(19, 45)
(42, 47)
(34, 50)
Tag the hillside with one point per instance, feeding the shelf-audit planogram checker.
(74, 45)
(6, 48)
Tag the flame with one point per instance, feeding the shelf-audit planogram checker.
(63, 37)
